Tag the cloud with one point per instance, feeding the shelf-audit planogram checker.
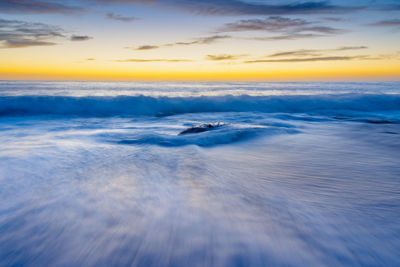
(320, 29)
(37, 7)
(388, 7)
(153, 60)
(274, 24)
(202, 40)
(309, 59)
(78, 38)
(197, 41)
(387, 23)
(18, 34)
(121, 18)
(25, 43)
(299, 53)
(238, 7)
(127, 2)
(315, 52)
(287, 28)
(289, 36)
(204, 7)
(333, 19)
(147, 47)
(90, 59)
(223, 57)
(346, 48)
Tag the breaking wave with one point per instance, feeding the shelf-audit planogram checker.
(164, 106)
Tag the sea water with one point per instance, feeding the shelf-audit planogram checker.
(299, 174)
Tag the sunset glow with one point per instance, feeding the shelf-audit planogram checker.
(207, 40)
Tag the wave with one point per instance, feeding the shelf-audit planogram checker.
(164, 106)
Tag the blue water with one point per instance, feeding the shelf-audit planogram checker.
(300, 174)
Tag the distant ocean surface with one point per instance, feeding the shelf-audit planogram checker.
(292, 174)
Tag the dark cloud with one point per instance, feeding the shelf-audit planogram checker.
(18, 34)
(204, 7)
(223, 57)
(277, 24)
(387, 23)
(147, 47)
(309, 59)
(127, 2)
(394, 7)
(287, 28)
(240, 7)
(237, 7)
(121, 18)
(37, 6)
(273, 24)
(78, 38)
(388, 7)
(153, 60)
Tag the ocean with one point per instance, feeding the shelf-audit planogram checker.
(199, 174)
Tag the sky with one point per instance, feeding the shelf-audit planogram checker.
(209, 40)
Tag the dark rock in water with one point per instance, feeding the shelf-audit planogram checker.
(202, 128)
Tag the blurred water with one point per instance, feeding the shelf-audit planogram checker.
(293, 187)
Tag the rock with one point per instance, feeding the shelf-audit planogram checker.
(202, 128)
